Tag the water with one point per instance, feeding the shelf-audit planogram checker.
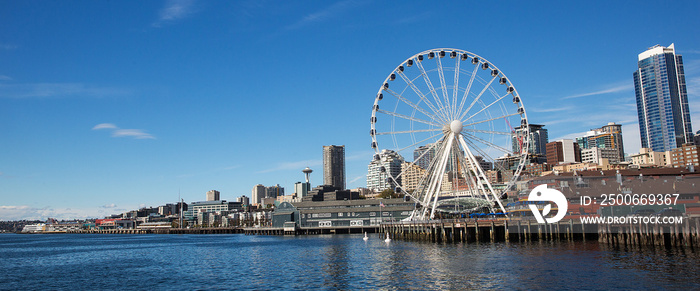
(140, 262)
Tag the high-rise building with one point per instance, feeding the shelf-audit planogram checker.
(301, 189)
(563, 151)
(412, 175)
(424, 155)
(537, 141)
(428, 154)
(334, 166)
(662, 100)
(244, 200)
(259, 192)
(213, 195)
(608, 137)
(274, 191)
(385, 163)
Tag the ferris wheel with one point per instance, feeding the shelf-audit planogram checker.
(464, 124)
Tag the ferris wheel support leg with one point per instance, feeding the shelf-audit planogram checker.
(480, 173)
(437, 171)
(441, 172)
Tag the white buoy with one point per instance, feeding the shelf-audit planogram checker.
(387, 238)
(365, 238)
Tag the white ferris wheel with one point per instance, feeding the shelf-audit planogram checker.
(468, 123)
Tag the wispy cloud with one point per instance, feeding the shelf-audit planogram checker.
(135, 133)
(616, 89)
(356, 179)
(5, 78)
(325, 14)
(293, 166)
(49, 90)
(118, 132)
(104, 126)
(569, 136)
(558, 109)
(7, 46)
(23, 212)
(111, 205)
(174, 10)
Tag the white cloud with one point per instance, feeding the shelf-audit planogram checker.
(135, 133)
(356, 179)
(616, 89)
(24, 212)
(111, 205)
(174, 10)
(47, 90)
(293, 166)
(118, 132)
(558, 109)
(5, 78)
(104, 126)
(569, 136)
(327, 13)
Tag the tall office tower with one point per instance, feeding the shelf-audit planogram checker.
(385, 163)
(259, 192)
(608, 137)
(213, 195)
(538, 139)
(662, 100)
(334, 166)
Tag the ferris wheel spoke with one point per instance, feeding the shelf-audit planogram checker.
(420, 142)
(485, 107)
(478, 97)
(421, 95)
(488, 131)
(488, 143)
(443, 86)
(409, 103)
(491, 119)
(418, 158)
(469, 87)
(411, 118)
(455, 88)
(486, 156)
(431, 88)
(408, 131)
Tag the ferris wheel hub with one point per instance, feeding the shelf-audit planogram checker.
(456, 126)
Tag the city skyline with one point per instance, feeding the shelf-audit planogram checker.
(108, 107)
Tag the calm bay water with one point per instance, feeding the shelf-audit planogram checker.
(140, 262)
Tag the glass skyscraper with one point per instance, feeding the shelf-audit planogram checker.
(662, 100)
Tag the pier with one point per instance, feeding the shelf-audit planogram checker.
(686, 234)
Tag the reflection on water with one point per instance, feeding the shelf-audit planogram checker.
(331, 262)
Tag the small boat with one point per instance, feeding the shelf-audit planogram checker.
(387, 238)
(365, 238)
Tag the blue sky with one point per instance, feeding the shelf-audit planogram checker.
(109, 106)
